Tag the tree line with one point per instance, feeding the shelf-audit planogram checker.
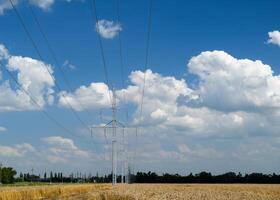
(205, 177)
(8, 176)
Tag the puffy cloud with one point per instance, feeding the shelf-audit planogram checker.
(3, 129)
(230, 84)
(159, 115)
(60, 141)
(161, 108)
(11, 100)
(160, 98)
(33, 76)
(16, 151)
(94, 96)
(43, 4)
(173, 110)
(161, 111)
(61, 149)
(108, 29)
(233, 98)
(274, 38)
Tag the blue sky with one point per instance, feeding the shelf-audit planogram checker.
(210, 111)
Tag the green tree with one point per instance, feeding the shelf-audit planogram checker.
(8, 175)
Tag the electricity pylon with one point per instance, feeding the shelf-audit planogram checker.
(113, 125)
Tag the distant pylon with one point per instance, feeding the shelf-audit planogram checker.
(113, 125)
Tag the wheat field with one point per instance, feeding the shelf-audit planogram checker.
(144, 192)
(50, 191)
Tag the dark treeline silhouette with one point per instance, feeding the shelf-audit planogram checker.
(59, 177)
(205, 177)
(152, 177)
(7, 176)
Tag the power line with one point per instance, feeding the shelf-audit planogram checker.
(95, 18)
(50, 117)
(37, 104)
(121, 60)
(94, 15)
(41, 58)
(113, 123)
(52, 53)
(125, 158)
(111, 101)
(146, 57)
(112, 98)
(120, 44)
(144, 78)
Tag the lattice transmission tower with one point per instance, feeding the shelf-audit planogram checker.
(113, 126)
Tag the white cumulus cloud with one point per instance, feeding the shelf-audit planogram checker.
(108, 29)
(95, 96)
(230, 84)
(231, 98)
(160, 98)
(274, 38)
(210, 108)
(33, 76)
